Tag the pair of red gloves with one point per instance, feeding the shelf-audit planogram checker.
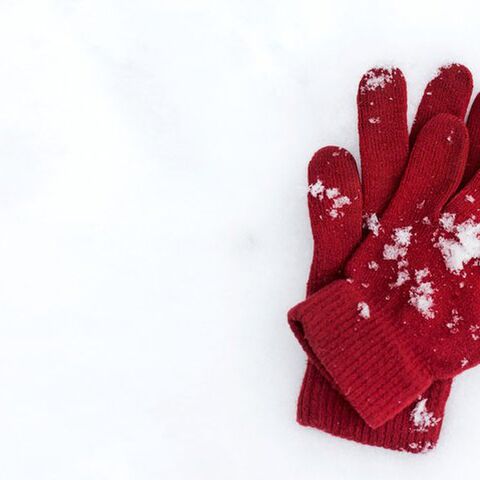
(393, 310)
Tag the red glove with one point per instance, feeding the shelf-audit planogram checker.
(319, 404)
(407, 313)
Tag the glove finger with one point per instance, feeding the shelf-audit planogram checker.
(383, 134)
(467, 202)
(335, 207)
(448, 92)
(433, 173)
(473, 125)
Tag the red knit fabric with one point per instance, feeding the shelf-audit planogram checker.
(384, 152)
(386, 333)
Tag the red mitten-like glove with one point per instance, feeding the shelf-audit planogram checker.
(407, 313)
(384, 152)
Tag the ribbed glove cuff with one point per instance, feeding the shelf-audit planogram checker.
(371, 364)
(320, 406)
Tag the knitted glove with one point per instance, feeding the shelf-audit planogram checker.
(406, 314)
(320, 405)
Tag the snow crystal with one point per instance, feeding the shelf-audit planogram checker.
(403, 263)
(447, 221)
(378, 79)
(464, 362)
(402, 277)
(363, 310)
(421, 295)
(371, 222)
(458, 251)
(469, 198)
(332, 192)
(318, 190)
(340, 202)
(337, 204)
(374, 120)
(474, 330)
(453, 324)
(422, 419)
(398, 251)
(373, 265)
(391, 252)
(422, 448)
(402, 236)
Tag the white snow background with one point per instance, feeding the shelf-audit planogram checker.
(154, 231)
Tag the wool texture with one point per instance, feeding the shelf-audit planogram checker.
(419, 327)
(384, 146)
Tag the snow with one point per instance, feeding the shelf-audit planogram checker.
(452, 325)
(338, 201)
(398, 251)
(371, 222)
(401, 241)
(422, 419)
(447, 221)
(402, 236)
(421, 294)
(317, 189)
(422, 447)
(363, 310)
(373, 265)
(155, 231)
(459, 243)
(403, 276)
(475, 332)
(332, 192)
(378, 79)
